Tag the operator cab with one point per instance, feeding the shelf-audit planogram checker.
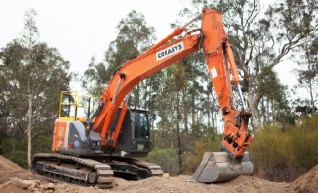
(135, 135)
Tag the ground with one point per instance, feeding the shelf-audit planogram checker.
(14, 179)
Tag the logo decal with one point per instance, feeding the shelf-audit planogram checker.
(214, 73)
(169, 51)
(76, 143)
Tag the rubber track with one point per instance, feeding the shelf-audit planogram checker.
(145, 169)
(154, 169)
(89, 172)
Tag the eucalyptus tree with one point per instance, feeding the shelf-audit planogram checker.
(29, 38)
(197, 101)
(94, 78)
(134, 36)
(308, 71)
(32, 75)
(262, 39)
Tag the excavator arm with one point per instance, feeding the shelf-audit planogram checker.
(212, 40)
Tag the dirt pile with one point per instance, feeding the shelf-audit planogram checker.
(307, 183)
(19, 185)
(8, 169)
(14, 179)
(181, 185)
(7, 165)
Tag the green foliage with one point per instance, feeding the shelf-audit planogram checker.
(194, 157)
(308, 74)
(16, 150)
(134, 36)
(282, 154)
(32, 76)
(304, 143)
(41, 144)
(166, 158)
(270, 151)
(45, 76)
(192, 149)
(94, 78)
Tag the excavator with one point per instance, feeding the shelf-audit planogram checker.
(90, 151)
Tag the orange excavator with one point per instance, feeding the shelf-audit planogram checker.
(91, 151)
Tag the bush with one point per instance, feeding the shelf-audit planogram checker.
(270, 152)
(41, 144)
(304, 144)
(16, 150)
(166, 158)
(199, 147)
(284, 155)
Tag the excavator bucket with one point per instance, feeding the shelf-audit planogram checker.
(215, 167)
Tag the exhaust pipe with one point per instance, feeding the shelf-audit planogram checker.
(216, 167)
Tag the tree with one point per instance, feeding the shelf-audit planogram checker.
(280, 30)
(261, 40)
(94, 78)
(308, 72)
(30, 37)
(35, 73)
(274, 106)
(198, 100)
(134, 37)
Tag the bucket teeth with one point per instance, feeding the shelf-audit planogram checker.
(216, 167)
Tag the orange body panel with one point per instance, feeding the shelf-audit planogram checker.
(218, 54)
(60, 127)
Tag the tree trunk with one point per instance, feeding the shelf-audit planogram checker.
(209, 106)
(312, 102)
(185, 110)
(268, 111)
(29, 126)
(193, 114)
(178, 135)
(253, 107)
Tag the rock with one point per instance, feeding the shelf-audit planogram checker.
(165, 175)
(50, 186)
(42, 187)
(33, 186)
(24, 184)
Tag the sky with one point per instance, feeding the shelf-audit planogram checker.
(81, 29)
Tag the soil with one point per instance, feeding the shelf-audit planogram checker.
(14, 179)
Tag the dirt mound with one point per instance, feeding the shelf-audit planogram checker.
(307, 183)
(181, 185)
(7, 165)
(12, 177)
(15, 179)
(9, 169)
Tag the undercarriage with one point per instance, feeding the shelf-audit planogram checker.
(92, 171)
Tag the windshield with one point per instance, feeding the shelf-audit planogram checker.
(141, 125)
